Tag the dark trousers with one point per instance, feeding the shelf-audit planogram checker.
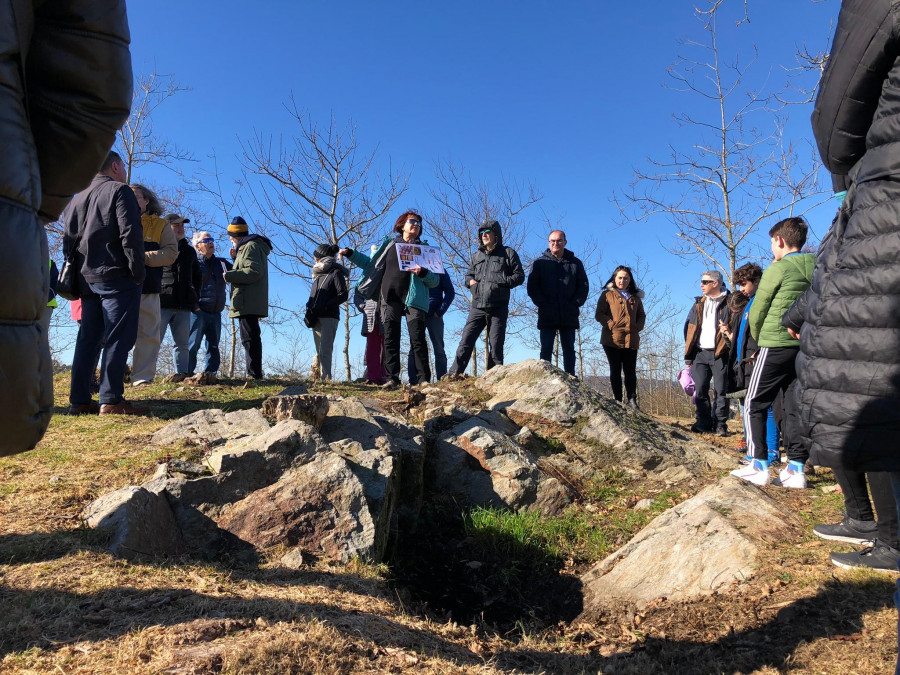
(434, 325)
(251, 338)
(109, 317)
(622, 359)
(774, 372)
(205, 325)
(566, 343)
(707, 369)
(858, 506)
(391, 318)
(494, 319)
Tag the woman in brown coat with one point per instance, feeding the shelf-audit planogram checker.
(621, 312)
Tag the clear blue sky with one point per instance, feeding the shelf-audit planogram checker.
(568, 95)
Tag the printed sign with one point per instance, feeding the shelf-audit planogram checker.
(429, 257)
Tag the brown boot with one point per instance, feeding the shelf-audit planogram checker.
(123, 407)
(91, 408)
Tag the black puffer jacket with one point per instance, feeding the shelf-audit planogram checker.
(558, 287)
(181, 280)
(330, 289)
(496, 272)
(72, 57)
(849, 361)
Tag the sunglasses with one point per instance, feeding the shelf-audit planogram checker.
(413, 221)
(205, 241)
(484, 232)
(703, 282)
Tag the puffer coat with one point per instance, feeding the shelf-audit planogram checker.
(496, 272)
(249, 277)
(849, 361)
(71, 56)
(784, 281)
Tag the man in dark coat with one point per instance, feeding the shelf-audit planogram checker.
(103, 229)
(558, 286)
(71, 57)
(179, 295)
(495, 270)
(849, 319)
(206, 322)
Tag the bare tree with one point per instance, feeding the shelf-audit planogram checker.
(319, 187)
(139, 141)
(462, 204)
(736, 171)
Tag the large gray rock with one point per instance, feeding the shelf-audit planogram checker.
(536, 394)
(693, 549)
(481, 466)
(212, 426)
(137, 521)
(309, 408)
(319, 506)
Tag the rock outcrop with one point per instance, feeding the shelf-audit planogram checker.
(696, 548)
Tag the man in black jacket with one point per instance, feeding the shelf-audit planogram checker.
(110, 257)
(179, 295)
(558, 286)
(66, 75)
(206, 322)
(494, 271)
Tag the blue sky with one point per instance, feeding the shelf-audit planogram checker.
(568, 95)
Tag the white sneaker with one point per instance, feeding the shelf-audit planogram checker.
(791, 479)
(753, 475)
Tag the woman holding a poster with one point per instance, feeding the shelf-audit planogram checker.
(403, 290)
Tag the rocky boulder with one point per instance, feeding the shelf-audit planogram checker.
(212, 426)
(702, 545)
(309, 408)
(137, 522)
(536, 394)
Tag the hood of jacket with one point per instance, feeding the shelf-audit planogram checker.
(612, 287)
(255, 237)
(495, 228)
(326, 265)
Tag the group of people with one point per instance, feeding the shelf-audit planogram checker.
(137, 277)
(387, 295)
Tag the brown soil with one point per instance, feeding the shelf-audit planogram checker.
(70, 607)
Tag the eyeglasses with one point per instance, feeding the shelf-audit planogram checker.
(205, 241)
(414, 221)
(557, 241)
(703, 282)
(484, 232)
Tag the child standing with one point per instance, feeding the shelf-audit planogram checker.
(782, 283)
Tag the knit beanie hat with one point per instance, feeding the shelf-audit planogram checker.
(238, 226)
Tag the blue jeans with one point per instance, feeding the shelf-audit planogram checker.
(180, 321)
(109, 317)
(204, 325)
(566, 343)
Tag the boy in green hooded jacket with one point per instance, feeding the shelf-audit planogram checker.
(782, 283)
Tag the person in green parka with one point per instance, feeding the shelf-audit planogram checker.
(249, 279)
(782, 283)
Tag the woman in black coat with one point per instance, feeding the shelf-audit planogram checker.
(329, 291)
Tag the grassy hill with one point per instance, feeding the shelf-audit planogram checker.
(480, 592)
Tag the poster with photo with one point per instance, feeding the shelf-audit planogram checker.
(429, 257)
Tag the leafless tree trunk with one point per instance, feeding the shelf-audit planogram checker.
(737, 172)
(319, 187)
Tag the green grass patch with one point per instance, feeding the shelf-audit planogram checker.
(606, 486)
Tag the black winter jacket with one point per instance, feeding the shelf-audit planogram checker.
(558, 287)
(71, 56)
(181, 280)
(849, 361)
(112, 240)
(496, 273)
(329, 290)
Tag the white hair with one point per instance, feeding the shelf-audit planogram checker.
(200, 234)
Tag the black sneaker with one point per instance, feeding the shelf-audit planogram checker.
(880, 557)
(850, 530)
(721, 430)
(698, 428)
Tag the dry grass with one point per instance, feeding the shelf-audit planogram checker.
(69, 607)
